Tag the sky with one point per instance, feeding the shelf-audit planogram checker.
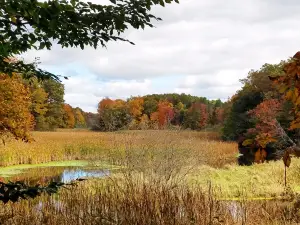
(202, 47)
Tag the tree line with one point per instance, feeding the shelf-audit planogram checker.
(159, 111)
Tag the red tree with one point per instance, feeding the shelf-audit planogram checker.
(266, 130)
(164, 114)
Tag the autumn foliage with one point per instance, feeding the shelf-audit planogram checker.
(264, 116)
(289, 85)
(267, 128)
(15, 102)
(136, 107)
(69, 117)
(27, 105)
(159, 112)
(197, 116)
(220, 114)
(164, 114)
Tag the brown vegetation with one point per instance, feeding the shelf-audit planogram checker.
(138, 146)
(137, 201)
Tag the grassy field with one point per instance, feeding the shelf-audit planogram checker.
(202, 148)
(163, 177)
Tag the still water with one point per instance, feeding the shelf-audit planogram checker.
(72, 174)
(59, 174)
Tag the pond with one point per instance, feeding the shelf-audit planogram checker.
(45, 173)
(65, 174)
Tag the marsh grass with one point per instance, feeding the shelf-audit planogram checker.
(119, 201)
(139, 200)
(119, 147)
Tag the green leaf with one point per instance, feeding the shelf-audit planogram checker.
(42, 45)
(148, 5)
(73, 3)
(36, 18)
(81, 45)
(53, 24)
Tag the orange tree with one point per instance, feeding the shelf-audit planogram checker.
(68, 117)
(15, 102)
(289, 86)
(164, 114)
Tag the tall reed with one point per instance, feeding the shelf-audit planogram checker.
(113, 147)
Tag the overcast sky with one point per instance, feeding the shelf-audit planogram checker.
(202, 47)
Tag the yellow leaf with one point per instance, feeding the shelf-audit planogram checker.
(295, 95)
(289, 94)
(247, 142)
(295, 125)
(13, 19)
(283, 88)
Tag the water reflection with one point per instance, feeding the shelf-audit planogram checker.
(69, 175)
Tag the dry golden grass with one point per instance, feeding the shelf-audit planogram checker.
(202, 148)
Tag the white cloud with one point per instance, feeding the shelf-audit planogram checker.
(86, 91)
(123, 89)
(210, 44)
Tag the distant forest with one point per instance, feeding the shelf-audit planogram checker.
(159, 111)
